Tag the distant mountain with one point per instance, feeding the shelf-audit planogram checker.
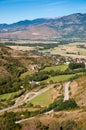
(71, 26)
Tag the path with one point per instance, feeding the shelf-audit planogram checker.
(26, 100)
(66, 97)
(30, 118)
(66, 91)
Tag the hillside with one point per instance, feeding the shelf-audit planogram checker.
(71, 26)
(67, 119)
(13, 63)
(78, 91)
(32, 91)
(9, 57)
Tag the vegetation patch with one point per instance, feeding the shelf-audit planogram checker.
(76, 65)
(59, 105)
(7, 122)
(6, 96)
(44, 99)
(12, 95)
(55, 68)
(70, 104)
(60, 78)
(22, 76)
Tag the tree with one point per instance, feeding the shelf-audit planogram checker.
(74, 65)
(7, 122)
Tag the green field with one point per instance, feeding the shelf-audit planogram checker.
(60, 78)
(26, 73)
(6, 96)
(44, 99)
(9, 95)
(58, 67)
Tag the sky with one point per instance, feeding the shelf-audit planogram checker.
(16, 10)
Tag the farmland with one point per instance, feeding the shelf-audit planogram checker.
(55, 68)
(5, 96)
(43, 99)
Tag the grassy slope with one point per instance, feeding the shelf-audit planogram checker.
(26, 73)
(6, 96)
(9, 95)
(43, 99)
(59, 67)
(60, 78)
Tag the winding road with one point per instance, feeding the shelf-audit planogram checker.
(26, 100)
(66, 97)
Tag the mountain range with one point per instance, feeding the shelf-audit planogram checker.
(71, 26)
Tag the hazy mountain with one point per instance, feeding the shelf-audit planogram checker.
(71, 26)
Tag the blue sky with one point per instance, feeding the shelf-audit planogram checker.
(16, 10)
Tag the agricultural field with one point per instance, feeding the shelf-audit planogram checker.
(8, 96)
(75, 49)
(5, 96)
(62, 78)
(45, 98)
(22, 48)
(55, 68)
(71, 49)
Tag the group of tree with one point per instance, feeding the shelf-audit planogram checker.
(59, 105)
(75, 65)
(7, 122)
(9, 84)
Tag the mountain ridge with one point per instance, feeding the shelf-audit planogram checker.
(42, 18)
(71, 26)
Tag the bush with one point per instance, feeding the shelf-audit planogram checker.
(70, 104)
(42, 75)
(76, 65)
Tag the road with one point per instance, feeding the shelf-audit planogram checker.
(66, 91)
(26, 100)
(27, 119)
(38, 93)
(66, 97)
(25, 97)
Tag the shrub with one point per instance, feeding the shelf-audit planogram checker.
(76, 65)
(70, 104)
